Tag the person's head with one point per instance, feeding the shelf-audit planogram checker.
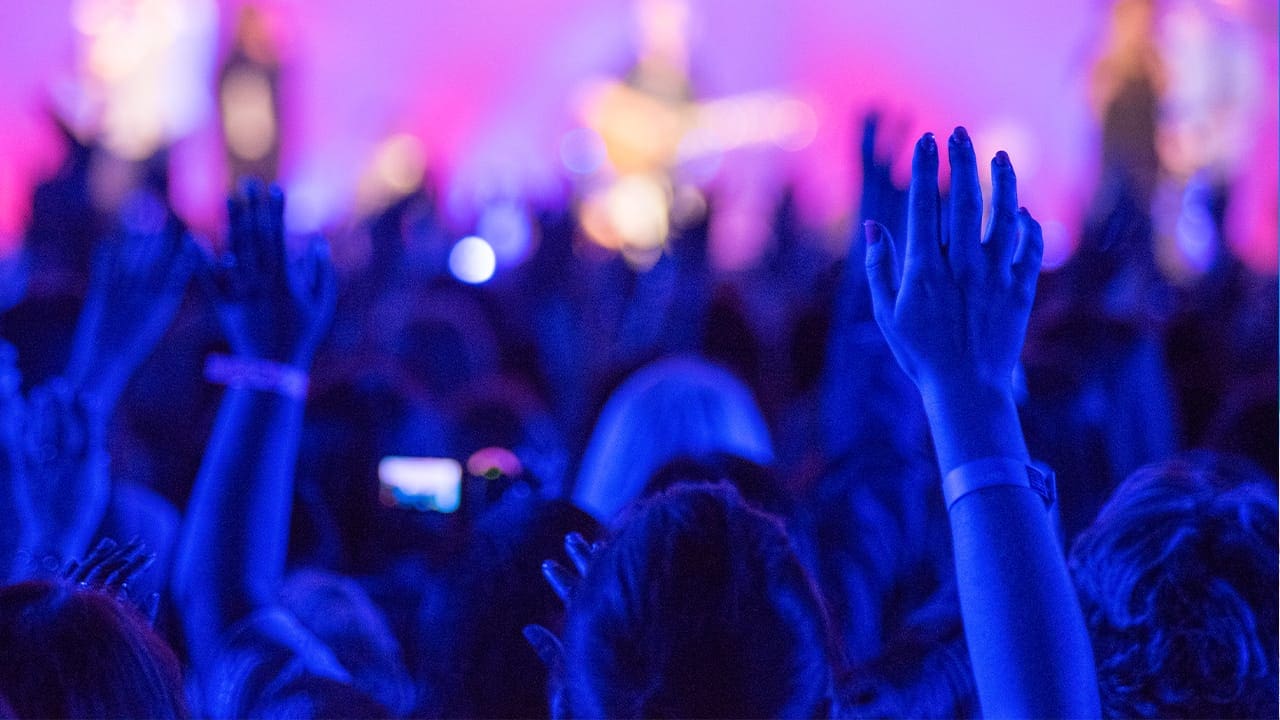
(756, 483)
(698, 607)
(70, 652)
(1177, 580)
(472, 657)
(670, 408)
(336, 610)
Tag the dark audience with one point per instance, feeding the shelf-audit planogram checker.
(244, 480)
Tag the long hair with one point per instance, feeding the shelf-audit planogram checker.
(70, 652)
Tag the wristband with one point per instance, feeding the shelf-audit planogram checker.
(992, 471)
(255, 374)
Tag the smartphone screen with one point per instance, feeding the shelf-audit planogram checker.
(421, 483)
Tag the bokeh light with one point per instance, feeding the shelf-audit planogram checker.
(472, 260)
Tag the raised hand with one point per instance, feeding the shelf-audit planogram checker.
(62, 489)
(956, 314)
(272, 307)
(562, 581)
(138, 282)
(111, 567)
(955, 317)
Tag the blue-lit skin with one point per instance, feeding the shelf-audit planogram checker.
(955, 317)
(57, 440)
(234, 537)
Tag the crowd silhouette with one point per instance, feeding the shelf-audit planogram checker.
(922, 480)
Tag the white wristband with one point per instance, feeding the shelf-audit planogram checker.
(256, 374)
(989, 472)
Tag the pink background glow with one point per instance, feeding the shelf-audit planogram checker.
(486, 85)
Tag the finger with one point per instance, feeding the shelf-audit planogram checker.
(85, 570)
(561, 580)
(133, 565)
(579, 551)
(211, 274)
(184, 260)
(545, 644)
(870, 124)
(1002, 230)
(1026, 261)
(964, 251)
(102, 572)
(263, 231)
(883, 276)
(924, 251)
(239, 214)
(151, 608)
(271, 231)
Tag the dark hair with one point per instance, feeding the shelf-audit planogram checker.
(758, 485)
(70, 652)
(1177, 580)
(472, 659)
(698, 607)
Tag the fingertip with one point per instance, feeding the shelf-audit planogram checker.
(960, 148)
(1001, 160)
(928, 144)
(1024, 216)
(924, 161)
(871, 231)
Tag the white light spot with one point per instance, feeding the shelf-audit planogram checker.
(472, 260)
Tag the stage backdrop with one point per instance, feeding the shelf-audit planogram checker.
(489, 88)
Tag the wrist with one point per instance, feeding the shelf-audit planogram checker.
(973, 420)
(957, 393)
(289, 380)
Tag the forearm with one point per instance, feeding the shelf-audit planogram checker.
(1019, 607)
(235, 535)
(970, 422)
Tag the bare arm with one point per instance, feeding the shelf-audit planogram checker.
(235, 534)
(955, 317)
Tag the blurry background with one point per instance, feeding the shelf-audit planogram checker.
(636, 108)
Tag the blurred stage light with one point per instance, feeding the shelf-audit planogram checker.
(397, 169)
(248, 115)
(505, 225)
(400, 161)
(1058, 244)
(582, 151)
(146, 62)
(472, 260)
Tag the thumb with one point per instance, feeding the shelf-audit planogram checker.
(883, 276)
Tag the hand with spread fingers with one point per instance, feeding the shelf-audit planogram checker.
(138, 282)
(955, 313)
(63, 483)
(272, 306)
(111, 567)
(955, 316)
